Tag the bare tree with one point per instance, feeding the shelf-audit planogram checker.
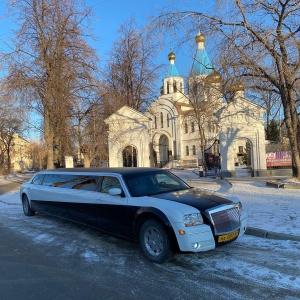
(37, 151)
(262, 39)
(10, 124)
(130, 74)
(205, 98)
(52, 64)
(91, 133)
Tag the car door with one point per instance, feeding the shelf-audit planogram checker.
(112, 211)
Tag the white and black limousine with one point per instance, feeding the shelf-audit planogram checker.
(149, 205)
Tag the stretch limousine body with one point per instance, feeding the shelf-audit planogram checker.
(150, 205)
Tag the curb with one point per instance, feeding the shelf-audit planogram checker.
(271, 235)
(282, 184)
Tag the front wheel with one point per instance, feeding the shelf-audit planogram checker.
(28, 211)
(155, 242)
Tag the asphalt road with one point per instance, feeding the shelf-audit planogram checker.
(43, 257)
(14, 184)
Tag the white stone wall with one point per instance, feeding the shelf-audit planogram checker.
(242, 120)
(128, 128)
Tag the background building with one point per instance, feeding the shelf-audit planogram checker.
(191, 126)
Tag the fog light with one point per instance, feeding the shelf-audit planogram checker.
(196, 245)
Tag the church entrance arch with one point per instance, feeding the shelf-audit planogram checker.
(164, 150)
(129, 156)
(243, 158)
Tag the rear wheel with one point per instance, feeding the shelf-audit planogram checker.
(26, 206)
(155, 242)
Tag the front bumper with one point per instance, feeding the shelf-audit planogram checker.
(200, 238)
(243, 219)
(196, 239)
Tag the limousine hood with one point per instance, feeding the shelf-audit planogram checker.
(199, 199)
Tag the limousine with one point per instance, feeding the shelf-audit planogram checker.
(152, 206)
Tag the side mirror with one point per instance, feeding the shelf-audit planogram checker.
(115, 192)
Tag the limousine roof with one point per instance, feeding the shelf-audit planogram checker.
(122, 171)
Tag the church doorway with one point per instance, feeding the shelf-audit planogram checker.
(129, 157)
(243, 158)
(164, 150)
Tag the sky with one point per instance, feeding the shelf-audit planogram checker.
(271, 209)
(107, 17)
(110, 14)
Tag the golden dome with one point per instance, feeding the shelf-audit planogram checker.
(214, 77)
(171, 56)
(200, 38)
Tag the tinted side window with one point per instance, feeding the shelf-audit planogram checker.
(108, 183)
(87, 183)
(67, 181)
(57, 180)
(37, 179)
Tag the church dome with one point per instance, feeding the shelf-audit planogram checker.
(214, 77)
(171, 56)
(200, 38)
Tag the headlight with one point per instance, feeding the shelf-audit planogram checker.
(240, 207)
(192, 220)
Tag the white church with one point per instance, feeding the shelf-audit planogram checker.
(190, 126)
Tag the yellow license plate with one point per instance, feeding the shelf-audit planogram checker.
(227, 237)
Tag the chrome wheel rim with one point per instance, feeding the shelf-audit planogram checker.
(153, 241)
(25, 205)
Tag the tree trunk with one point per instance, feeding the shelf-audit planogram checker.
(56, 151)
(48, 134)
(8, 160)
(294, 148)
(292, 124)
(87, 161)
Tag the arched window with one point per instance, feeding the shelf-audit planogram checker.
(168, 87)
(194, 150)
(186, 127)
(168, 120)
(155, 122)
(193, 127)
(181, 89)
(187, 151)
(162, 120)
(129, 157)
(174, 86)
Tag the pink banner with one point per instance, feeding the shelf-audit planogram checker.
(279, 159)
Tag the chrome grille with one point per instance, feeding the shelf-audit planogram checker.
(225, 221)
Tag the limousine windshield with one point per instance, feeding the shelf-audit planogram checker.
(153, 183)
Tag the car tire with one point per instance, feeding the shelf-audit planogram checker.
(155, 242)
(28, 211)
